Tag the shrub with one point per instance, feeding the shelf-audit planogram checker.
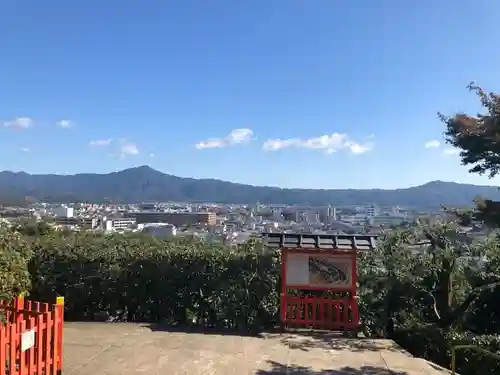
(144, 279)
(435, 344)
(15, 254)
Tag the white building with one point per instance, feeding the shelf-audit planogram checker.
(118, 223)
(63, 211)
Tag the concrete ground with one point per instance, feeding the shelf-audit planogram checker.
(126, 348)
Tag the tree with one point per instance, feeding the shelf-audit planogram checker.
(484, 312)
(456, 277)
(388, 277)
(478, 139)
(15, 254)
(33, 228)
(427, 275)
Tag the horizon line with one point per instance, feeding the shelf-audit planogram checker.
(239, 183)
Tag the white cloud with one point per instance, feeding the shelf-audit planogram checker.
(276, 144)
(451, 151)
(100, 142)
(151, 155)
(237, 136)
(432, 144)
(19, 123)
(329, 143)
(358, 148)
(128, 148)
(64, 124)
(240, 136)
(211, 143)
(25, 149)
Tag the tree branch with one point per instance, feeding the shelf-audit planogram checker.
(460, 310)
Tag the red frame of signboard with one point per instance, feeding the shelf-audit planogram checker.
(324, 312)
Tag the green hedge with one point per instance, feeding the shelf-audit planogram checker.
(435, 344)
(15, 254)
(143, 279)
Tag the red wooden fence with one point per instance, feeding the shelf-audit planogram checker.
(322, 313)
(31, 337)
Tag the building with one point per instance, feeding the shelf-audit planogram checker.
(372, 210)
(311, 218)
(160, 230)
(277, 214)
(63, 211)
(328, 214)
(176, 218)
(83, 222)
(118, 223)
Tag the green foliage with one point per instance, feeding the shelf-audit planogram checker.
(32, 228)
(435, 344)
(429, 301)
(14, 257)
(144, 279)
(477, 137)
(419, 286)
(485, 211)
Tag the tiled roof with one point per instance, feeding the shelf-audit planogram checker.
(320, 241)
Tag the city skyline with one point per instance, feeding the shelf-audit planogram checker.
(287, 94)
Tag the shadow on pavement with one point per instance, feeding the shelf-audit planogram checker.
(154, 327)
(330, 341)
(278, 369)
(304, 340)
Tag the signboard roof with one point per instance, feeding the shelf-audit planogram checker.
(320, 241)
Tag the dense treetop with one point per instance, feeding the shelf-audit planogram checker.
(478, 139)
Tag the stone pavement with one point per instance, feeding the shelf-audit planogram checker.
(126, 348)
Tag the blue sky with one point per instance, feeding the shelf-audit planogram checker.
(317, 94)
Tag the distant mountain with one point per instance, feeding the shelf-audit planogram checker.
(146, 184)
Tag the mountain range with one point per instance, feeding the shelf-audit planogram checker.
(142, 184)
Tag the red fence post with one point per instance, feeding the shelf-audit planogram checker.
(59, 332)
(3, 346)
(283, 296)
(18, 308)
(13, 348)
(354, 294)
(40, 321)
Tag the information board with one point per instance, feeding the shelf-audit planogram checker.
(318, 270)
